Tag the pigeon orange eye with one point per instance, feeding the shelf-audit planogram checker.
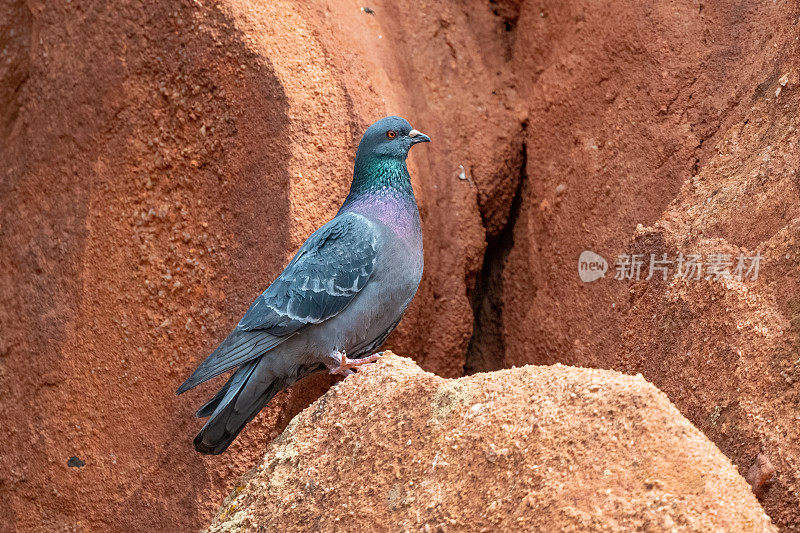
(391, 134)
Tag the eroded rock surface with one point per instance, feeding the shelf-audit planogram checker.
(726, 351)
(533, 448)
(161, 160)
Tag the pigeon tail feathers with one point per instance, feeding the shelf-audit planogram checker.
(237, 403)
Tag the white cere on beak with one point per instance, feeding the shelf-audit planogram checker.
(413, 133)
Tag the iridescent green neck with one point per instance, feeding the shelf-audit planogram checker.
(379, 176)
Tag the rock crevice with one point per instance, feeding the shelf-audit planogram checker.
(486, 350)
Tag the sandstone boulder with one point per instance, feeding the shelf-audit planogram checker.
(534, 448)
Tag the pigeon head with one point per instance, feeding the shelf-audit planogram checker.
(390, 137)
(380, 167)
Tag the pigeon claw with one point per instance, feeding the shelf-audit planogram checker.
(345, 366)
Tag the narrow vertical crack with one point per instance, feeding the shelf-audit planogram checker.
(486, 351)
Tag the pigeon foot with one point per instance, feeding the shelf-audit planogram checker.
(345, 365)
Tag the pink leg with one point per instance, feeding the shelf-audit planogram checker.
(340, 364)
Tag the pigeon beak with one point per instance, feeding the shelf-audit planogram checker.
(418, 137)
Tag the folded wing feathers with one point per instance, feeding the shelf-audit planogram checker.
(238, 348)
(325, 275)
(323, 278)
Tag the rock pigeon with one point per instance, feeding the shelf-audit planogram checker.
(338, 299)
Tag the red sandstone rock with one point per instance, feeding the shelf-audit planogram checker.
(530, 449)
(162, 160)
(726, 352)
(760, 474)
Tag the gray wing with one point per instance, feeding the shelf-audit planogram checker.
(238, 348)
(328, 271)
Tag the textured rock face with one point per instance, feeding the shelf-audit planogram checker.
(529, 449)
(699, 146)
(745, 334)
(161, 160)
(622, 111)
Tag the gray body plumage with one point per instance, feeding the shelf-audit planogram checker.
(344, 291)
